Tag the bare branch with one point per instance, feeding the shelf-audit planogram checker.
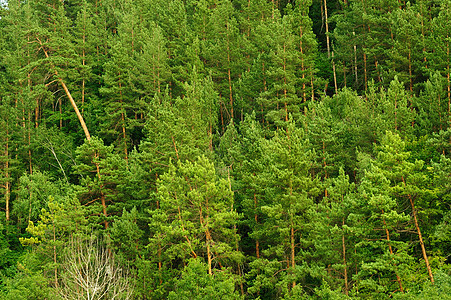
(91, 273)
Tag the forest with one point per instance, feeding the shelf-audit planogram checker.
(225, 149)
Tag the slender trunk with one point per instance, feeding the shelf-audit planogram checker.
(423, 35)
(335, 74)
(207, 233)
(344, 260)
(175, 148)
(208, 239)
(292, 246)
(83, 80)
(54, 256)
(102, 195)
(222, 113)
(377, 70)
(74, 105)
(29, 142)
(440, 111)
(36, 114)
(325, 165)
(159, 263)
(285, 83)
(420, 237)
(257, 245)
(313, 87)
(396, 112)
(158, 75)
(355, 62)
(124, 136)
(228, 72)
(327, 29)
(387, 234)
(344, 73)
(183, 228)
(7, 185)
(7, 195)
(410, 73)
(265, 88)
(449, 85)
(365, 71)
(292, 239)
(304, 95)
(60, 103)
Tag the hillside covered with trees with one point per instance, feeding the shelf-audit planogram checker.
(225, 149)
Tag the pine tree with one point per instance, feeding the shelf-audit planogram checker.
(101, 172)
(195, 218)
(331, 233)
(438, 56)
(289, 192)
(7, 162)
(432, 106)
(381, 251)
(281, 99)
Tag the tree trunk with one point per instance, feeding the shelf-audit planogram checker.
(102, 195)
(228, 72)
(449, 85)
(257, 245)
(312, 84)
(7, 185)
(355, 62)
(420, 237)
(327, 29)
(335, 73)
(365, 71)
(285, 82)
(29, 143)
(344, 261)
(387, 234)
(159, 263)
(292, 246)
(54, 256)
(304, 95)
(410, 72)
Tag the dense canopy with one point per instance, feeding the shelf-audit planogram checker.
(225, 149)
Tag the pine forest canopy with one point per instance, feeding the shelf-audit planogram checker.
(290, 149)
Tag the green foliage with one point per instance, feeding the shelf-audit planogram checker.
(222, 162)
(195, 283)
(28, 285)
(101, 172)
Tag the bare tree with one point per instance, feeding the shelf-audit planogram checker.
(91, 273)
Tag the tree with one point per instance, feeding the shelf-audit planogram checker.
(223, 54)
(195, 218)
(438, 55)
(406, 181)
(7, 113)
(91, 273)
(332, 234)
(178, 129)
(101, 172)
(56, 222)
(432, 106)
(289, 192)
(380, 222)
(393, 107)
(281, 98)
